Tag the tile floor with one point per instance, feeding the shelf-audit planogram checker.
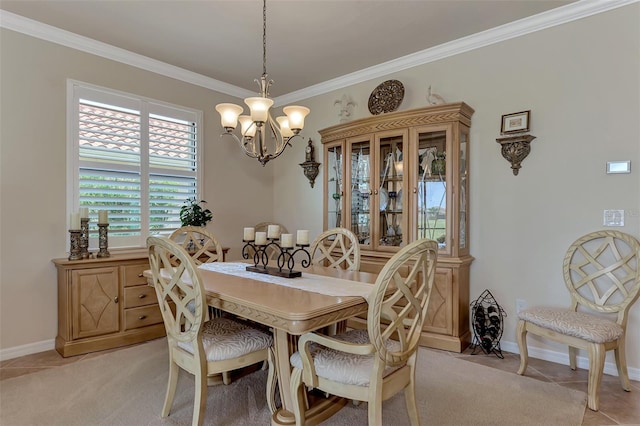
(617, 407)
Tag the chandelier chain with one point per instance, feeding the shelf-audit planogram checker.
(264, 37)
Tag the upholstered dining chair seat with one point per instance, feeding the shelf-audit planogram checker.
(591, 328)
(343, 367)
(224, 338)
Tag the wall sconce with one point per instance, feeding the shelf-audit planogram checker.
(515, 149)
(516, 145)
(310, 166)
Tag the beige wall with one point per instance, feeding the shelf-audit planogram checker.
(33, 142)
(581, 82)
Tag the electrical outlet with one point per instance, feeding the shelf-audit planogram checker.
(613, 218)
(521, 305)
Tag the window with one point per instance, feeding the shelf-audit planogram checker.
(136, 158)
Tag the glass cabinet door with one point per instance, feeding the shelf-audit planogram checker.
(359, 191)
(464, 190)
(334, 187)
(431, 220)
(391, 223)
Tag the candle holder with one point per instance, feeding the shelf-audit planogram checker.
(103, 240)
(84, 238)
(286, 259)
(74, 249)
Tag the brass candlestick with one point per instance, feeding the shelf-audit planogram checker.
(74, 250)
(84, 238)
(103, 240)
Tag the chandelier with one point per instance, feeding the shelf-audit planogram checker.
(262, 137)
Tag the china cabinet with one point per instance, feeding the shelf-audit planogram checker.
(402, 176)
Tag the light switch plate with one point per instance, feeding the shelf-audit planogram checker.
(614, 218)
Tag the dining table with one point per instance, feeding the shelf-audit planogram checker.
(290, 307)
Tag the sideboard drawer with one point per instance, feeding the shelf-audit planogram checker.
(133, 274)
(140, 295)
(142, 317)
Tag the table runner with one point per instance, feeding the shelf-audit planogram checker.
(329, 286)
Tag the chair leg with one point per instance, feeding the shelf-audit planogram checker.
(521, 336)
(272, 382)
(621, 363)
(200, 398)
(172, 384)
(596, 365)
(573, 355)
(410, 399)
(298, 400)
(226, 377)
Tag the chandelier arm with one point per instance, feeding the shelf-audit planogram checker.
(242, 142)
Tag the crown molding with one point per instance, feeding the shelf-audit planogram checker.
(562, 15)
(65, 38)
(568, 13)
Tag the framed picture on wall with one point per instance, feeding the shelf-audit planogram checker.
(516, 122)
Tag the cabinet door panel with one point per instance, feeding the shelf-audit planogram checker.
(359, 191)
(94, 302)
(334, 190)
(439, 313)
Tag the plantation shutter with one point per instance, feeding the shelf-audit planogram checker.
(138, 160)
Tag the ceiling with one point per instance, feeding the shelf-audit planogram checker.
(308, 41)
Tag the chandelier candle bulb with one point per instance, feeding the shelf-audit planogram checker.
(248, 129)
(261, 238)
(249, 234)
(229, 115)
(302, 237)
(286, 240)
(259, 108)
(74, 221)
(273, 231)
(103, 216)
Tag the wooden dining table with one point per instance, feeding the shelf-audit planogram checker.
(289, 312)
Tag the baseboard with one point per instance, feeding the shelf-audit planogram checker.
(563, 358)
(28, 349)
(544, 354)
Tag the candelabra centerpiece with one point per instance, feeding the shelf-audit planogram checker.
(262, 243)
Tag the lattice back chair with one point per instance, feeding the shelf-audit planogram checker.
(601, 272)
(272, 253)
(201, 244)
(374, 364)
(336, 248)
(202, 348)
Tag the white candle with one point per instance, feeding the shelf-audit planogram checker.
(103, 216)
(286, 240)
(249, 234)
(84, 212)
(261, 238)
(74, 221)
(273, 231)
(302, 237)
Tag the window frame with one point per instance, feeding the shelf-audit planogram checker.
(145, 107)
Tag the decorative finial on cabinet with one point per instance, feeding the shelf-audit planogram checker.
(310, 166)
(346, 106)
(434, 98)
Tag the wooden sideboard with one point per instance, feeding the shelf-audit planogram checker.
(105, 303)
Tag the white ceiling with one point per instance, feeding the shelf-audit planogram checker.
(308, 41)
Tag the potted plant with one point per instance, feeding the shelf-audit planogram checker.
(193, 214)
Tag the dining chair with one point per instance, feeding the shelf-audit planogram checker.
(336, 248)
(199, 347)
(374, 364)
(601, 272)
(201, 244)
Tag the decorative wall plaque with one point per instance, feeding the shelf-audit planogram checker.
(387, 97)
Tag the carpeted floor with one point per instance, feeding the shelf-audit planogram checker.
(127, 388)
